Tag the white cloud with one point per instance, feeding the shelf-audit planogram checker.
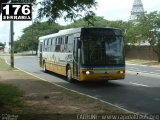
(151, 5)
(4, 31)
(120, 9)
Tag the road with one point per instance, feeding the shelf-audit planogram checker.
(144, 69)
(138, 93)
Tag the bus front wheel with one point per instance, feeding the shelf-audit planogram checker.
(44, 67)
(69, 75)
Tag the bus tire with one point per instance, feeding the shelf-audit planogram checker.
(44, 67)
(69, 75)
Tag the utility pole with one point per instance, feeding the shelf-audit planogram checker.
(12, 44)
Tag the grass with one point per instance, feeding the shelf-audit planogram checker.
(4, 66)
(9, 97)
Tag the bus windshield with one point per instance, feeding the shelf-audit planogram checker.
(102, 49)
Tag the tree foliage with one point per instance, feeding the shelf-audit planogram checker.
(98, 22)
(29, 40)
(2, 46)
(67, 9)
(146, 28)
(149, 29)
(149, 25)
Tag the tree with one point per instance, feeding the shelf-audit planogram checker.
(67, 9)
(149, 28)
(98, 22)
(2, 46)
(29, 39)
(132, 33)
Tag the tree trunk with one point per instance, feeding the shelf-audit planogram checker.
(36, 52)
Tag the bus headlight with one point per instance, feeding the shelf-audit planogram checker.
(87, 72)
(121, 72)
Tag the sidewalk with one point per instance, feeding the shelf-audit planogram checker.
(43, 98)
(26, 53)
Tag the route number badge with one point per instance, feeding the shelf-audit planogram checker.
(16, 12)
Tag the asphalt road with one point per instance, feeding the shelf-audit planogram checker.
(138, 92)
(144, 69)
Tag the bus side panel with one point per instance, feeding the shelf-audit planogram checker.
(56, 67)
(57, 62)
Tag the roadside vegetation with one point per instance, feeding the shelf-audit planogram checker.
(2, 46)
(4, 66)
(9, 94)
(9, 98)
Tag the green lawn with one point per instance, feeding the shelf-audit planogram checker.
(9, 95)
(3, 65)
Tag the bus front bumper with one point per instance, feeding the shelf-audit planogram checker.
(89, 76)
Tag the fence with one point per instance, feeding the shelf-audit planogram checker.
(140, 52)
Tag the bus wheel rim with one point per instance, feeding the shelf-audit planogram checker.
(69, 74)
(44, 67)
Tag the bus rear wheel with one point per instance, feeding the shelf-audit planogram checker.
(69, 75)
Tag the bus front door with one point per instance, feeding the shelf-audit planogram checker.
(76, 58)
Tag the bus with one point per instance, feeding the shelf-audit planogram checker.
(84, 54)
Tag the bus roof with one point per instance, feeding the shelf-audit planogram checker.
(69, 31)
(61, 32)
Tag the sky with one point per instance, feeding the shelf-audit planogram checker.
(109, 9)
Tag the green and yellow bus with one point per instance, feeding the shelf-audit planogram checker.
(84, 54)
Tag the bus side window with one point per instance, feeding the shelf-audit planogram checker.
(51, 40)
(66, 40)
(45, 45)
(60, 40)
(40, 47)
(65, 43)
(70, 43)
(49, 45)
(53, 44)
(57, 49)
(56, 41)
(62, 49)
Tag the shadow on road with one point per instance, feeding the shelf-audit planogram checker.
(91, 84)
